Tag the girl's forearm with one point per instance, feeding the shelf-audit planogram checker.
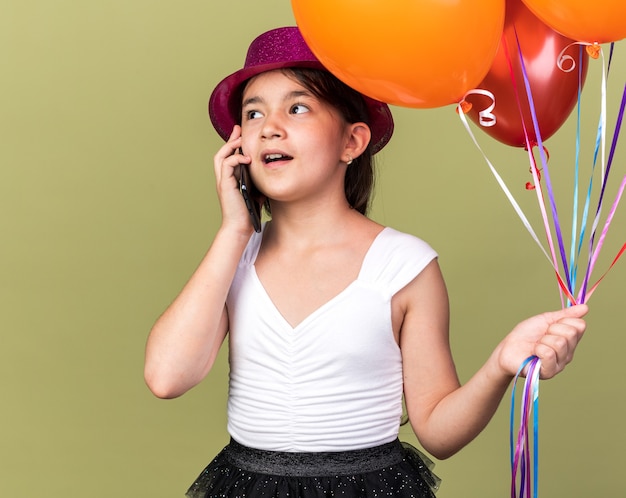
(462, 415)
(185, 340)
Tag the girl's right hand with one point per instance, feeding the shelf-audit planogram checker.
(226, 164)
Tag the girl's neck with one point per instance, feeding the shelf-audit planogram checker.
(307, 225)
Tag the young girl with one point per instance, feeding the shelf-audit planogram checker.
(331, 317)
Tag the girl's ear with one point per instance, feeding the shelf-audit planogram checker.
(358, 139)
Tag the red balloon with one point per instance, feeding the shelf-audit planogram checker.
(554, 90)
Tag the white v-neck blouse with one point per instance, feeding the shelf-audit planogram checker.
(333, 382)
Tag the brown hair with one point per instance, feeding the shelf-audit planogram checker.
(359, 179)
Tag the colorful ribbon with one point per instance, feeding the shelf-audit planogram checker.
(524, 463)
(566, 280)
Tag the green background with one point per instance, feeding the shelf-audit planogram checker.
(107, 204)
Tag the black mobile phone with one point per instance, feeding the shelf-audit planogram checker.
(247, 189)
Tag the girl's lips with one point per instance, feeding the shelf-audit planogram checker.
(273, 157)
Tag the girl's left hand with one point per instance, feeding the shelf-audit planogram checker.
(551, 336)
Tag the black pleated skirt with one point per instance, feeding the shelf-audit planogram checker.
(394, 469)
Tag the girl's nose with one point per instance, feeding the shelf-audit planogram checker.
(272, 127)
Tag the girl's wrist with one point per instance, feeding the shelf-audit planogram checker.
(496, 368)
(233, 236)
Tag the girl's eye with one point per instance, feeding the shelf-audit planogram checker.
(299, 109)
(252, 115)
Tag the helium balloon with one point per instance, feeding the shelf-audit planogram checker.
(554, 89)
(596, 21)
(410, 53)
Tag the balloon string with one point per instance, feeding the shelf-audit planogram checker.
(533, 167)
(608, 67)
(522, 460)
(593, 288)
(574, 255)
(524, 467)
(514, 203)
(555, 216)
(597, 52)
(596, 251)
(609, 219)
(594, 51)
(592, 256)
(501, 183)
(609, 163)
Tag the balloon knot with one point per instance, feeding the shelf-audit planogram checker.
(530, 186)
(593, 50)
(530, 145)
(465, 106)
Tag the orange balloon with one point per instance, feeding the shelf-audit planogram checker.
(554, 90)
(592, 21)
(425, 53)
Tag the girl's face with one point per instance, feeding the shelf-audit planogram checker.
(296, 141)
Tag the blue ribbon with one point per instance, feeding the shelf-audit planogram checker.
(521, 458)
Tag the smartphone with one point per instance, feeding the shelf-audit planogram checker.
(247, 189)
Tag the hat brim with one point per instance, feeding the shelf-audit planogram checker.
(224, 103)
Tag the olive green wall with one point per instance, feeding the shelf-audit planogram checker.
(107, 204)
